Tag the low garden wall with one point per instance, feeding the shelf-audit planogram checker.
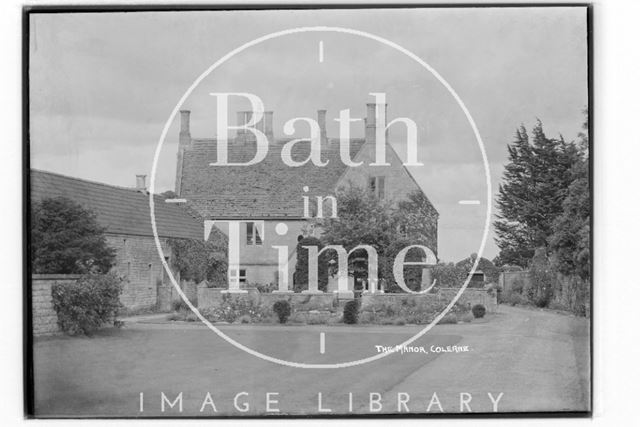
(308, 308)
(167, 295)
(43, 316)
(327, 307)
(421, 309)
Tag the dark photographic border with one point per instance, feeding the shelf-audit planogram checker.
(28, 374)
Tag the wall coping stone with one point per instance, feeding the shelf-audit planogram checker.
(55, 276)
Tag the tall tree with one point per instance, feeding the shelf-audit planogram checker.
(571, 239)
(535, 183)
(364, 219)
(67, 239)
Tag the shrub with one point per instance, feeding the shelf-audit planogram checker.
(448, 319)
(478, 311)
(316, 321)
(175, 316)
(283, 309)
(543, 280)
(179, 305)
(245, 318)
(513, 298)
(265, 288)
(87, 304)
(467, 318)
(350, 313)
(449, 275)
(399, 322)
(232, 308)
(517, 285)
(191, 317)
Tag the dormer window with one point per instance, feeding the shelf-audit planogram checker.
(376, 186)
(255, 231)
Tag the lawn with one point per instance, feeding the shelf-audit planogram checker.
(539, 361)
(104, 375)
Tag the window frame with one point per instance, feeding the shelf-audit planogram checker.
(377, 185)
(254, 233)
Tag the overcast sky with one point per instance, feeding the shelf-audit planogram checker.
(102, 86)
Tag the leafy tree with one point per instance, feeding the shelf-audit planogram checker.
(449, 275)
(364, 219)
(417, 218)
(198, 260)
(301, 274)
(571, 241)
(67, 239)
(535, 183)
(491, 272)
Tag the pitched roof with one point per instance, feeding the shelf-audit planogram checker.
(121, 210)
(267, 189)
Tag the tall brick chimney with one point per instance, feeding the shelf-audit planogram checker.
(265, 126)
(241, 120)
(184, 141)
(141, 183)
(370, 122)
(268, 125)
(322, 122)
(185, 132)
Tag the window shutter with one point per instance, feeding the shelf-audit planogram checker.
(381, 187)
(258, 230)
(249, 233)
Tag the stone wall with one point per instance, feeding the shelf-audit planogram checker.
(471, 297)
(325, 306)
(305, 307)
(138, 264)
(421, 308)
(507, 279)
(167, 294)
(43, 316)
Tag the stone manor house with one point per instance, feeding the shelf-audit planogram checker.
(269, 193)
(260, 197)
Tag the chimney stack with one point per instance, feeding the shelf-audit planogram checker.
(265, 125)
(241, 120)
(141, 184)
(370, 122)
(322, 122)
(185, 133)
(268, 125)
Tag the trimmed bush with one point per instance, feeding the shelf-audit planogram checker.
(87, 304)
(179, 305)
(448, 319)
(350, 313)
(478, 311)
(467, 318)
(283, 309)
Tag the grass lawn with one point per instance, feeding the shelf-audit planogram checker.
(538, 360)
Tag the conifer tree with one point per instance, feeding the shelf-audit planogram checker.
(535, 183)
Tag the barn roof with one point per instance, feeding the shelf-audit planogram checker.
(267, 189)
(121, 210)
